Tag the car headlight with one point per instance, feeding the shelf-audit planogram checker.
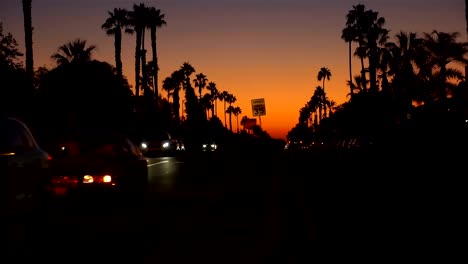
(144, 145)
(166, 145)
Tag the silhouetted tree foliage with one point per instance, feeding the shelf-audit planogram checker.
(16, 94)
(85, 94)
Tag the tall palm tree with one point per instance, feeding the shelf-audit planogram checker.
(466, 21)
(237, 111)
(348, 35)
(404, 53)
(173, 83)
(356, 21)
(75, 51)
(323, 74)
(442, 49)
(318, 99)
(200, 82)
(223, 96)
(230, 99)
(214, 96)
(114, 24)
(376, 36)
(155, 21)
(138, 18)
(28, 32)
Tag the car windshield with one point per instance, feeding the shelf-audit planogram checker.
(158, 135)
(13, 137)
(90, 144)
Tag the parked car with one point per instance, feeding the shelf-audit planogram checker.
(24, 169)
(98, 161)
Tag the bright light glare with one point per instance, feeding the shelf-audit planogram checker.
(88, 179)
(107, 178)
(143, 145)
(165, 145)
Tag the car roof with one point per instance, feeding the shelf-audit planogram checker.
(93, 134)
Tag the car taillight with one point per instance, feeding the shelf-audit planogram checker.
(99, 179)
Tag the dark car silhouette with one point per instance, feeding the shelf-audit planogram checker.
(24, 169)
(98, 161)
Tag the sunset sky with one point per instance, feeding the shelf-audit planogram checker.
(271, 49)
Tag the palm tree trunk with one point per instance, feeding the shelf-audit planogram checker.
(137, 62)
(156, 66)
(225, 123)
(363, 75)
(28, 30)
(118, 50)
(350, 71)
(466, 20)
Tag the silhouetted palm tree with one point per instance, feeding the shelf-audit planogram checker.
(138, 18)
(348, 35)
(115, 23)
(230, 99)
(223, 98)
(213, 98)
(356, 21)
(75, 51)
(155, 21)
(237, 111)
(318, 99)
(323, 74)
(28, 32)
(442, 49)
(200, 82)
(466, 21)
(173, 83)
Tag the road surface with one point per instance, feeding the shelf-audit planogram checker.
(251, 207)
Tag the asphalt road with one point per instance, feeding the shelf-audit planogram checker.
(256, 207)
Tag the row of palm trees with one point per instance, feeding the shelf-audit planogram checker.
(408, 60)
(316, 108)
(415, 69)
(137, 21)
(180, 80)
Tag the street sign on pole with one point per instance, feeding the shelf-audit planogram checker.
(258, 107)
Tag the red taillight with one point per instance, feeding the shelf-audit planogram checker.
(65, 180)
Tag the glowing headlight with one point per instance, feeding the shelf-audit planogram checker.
(165, 145)
(143, 145)
(204, 146)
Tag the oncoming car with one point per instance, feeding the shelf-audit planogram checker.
(160, 143)
(98, 162)
(209, 146)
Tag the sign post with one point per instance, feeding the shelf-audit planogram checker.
(258, 108)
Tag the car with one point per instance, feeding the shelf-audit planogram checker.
(160, 143)
(24, 169)
(98, 161)
(209, 146)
